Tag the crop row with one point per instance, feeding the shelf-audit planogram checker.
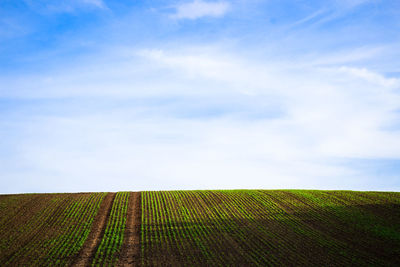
(15, 205)
(260, 227)
(109, 249)
(54, 235)
(354, 223)
(18, 238)
(204, 228)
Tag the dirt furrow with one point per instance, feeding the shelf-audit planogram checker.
(130, 248)
(91, 244)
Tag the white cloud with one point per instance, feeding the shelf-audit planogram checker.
(332, 112)
(97, 3)
(267, 108)
(198, 9)
(153, 141)
(143, 154)
(371, 76)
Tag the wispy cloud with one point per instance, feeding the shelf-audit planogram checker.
(312, 17)
(154, 104)
(198, 9)
(97, 3)
(137, 123)
(330, 12)
(372, 77)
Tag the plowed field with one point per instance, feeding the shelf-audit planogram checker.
(201, 228)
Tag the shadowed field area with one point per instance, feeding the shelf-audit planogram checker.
(258, 227)
(216, 227)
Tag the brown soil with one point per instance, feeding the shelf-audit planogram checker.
(91, 244)
(130, 248)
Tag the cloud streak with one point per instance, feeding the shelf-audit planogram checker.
(198, 9)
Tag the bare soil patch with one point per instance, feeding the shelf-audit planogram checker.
(131, 248)
(91, 244)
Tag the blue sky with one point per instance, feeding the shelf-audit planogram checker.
(99, 95)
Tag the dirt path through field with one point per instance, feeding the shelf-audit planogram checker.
(91, 244)
(130, 248)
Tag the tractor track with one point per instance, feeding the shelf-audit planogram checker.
(130, 248)
(89, 248)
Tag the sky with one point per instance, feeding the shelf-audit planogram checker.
(129, 95)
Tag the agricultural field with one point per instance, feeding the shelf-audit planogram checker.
(201, 228)
(48, 229)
